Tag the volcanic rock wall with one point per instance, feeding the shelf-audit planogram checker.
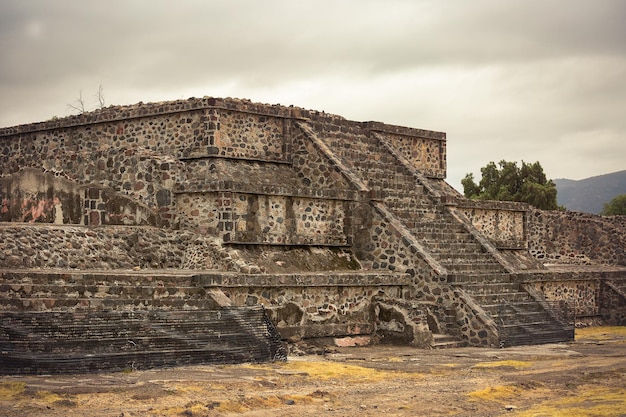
(304, 207)
(577, 238)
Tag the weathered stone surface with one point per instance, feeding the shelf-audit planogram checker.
(342, 229)
(577, 238)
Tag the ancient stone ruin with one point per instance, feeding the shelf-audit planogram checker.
(216, 230)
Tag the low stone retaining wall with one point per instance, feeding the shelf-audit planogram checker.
(303, 306)
(77, 247)
(586, 292)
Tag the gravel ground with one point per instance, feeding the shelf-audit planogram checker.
(583, 378)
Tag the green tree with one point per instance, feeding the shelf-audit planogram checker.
(615, 207)
(508, 182)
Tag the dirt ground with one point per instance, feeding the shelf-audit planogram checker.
(583, 378)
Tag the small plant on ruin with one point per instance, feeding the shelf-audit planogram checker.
(79, 103)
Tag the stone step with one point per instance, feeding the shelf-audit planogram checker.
(396, 204)
(439, 237)
(472, 278)
(117, 304)
(118, 336)
(522, 318)
(419, 227)
(408, 193)
(475, 267)
(357, 147)
(408, 199)
(519, 313)
(110, 344)
(84, 362)
(527, 326)
(383, 185)
(538, 337)
(94, 339)
(146, 278)
(98, 291)
(404, 179)
(511, 308)
(451, 327)
(375, 162)
(527, 330)
(501, 298)
(426, 210)
(363, 152)
(491, 287)
(417, 210)
(445, 341)
(70, 342)
(449, 257)
(456, 247)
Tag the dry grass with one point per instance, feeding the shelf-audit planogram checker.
(508, 363)
(501, 393)
(552, 382)
(585, 402)
(11, 390)
(326, 370)
(601, 333)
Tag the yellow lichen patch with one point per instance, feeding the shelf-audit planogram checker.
(586, 402)
(11, 390)
(444, 369)
(188, 389)
(509, 363)
(171, 411)
(601, 333)
(500, 394)
(55, 399)
(246, 404)
(334, 370)
(234, 406)
(48, 397)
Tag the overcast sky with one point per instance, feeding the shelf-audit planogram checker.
(532, 80)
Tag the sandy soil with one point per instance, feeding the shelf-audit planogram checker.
(584, 378)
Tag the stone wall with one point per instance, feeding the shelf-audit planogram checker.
(317, 217)
(306, 306)
(426, 154)
(134, 150)
(131, 157)
(581, 295)
(612, 302)
(34, 196)
(244, 135)
(148, 152)
(313, 168)
(503, 223)
(577, 238)
(76, 247)
(119, 247)
(266, 219)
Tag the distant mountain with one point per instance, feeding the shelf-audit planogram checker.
(590, 194)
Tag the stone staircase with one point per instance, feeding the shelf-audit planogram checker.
(449, 242)
(112, 320)
(446, 341)
(520, 318)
